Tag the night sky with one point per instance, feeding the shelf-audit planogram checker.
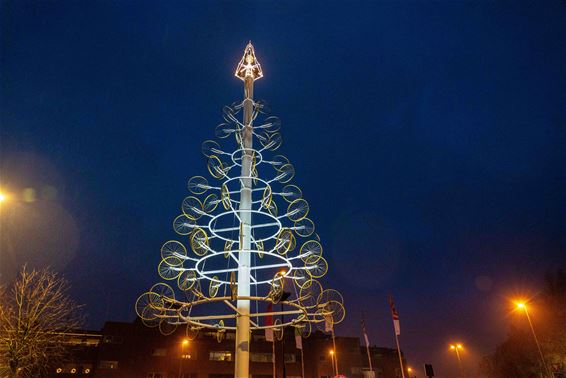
(427, 136)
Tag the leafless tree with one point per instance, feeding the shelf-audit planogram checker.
(35, 314)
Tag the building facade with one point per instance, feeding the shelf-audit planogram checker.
(131, 350)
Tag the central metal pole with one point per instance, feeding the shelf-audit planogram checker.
(242, 365)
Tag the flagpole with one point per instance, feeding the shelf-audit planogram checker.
(335, 353)
(273, 357)
(397, 330)
(369, 358)
(400, 358)
(302, 363)
(367, 341)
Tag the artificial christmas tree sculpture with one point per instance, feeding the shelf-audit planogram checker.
(245, 239)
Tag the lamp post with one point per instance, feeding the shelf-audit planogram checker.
(523, 306)
(410, 371)
(284, 297)
(184, 343)
(457, 348)
(332, 361)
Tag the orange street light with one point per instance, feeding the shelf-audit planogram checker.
(457, 348)
(334, 373)
(184, 343)
(2, 197)
(522, 306)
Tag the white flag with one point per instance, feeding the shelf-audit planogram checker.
(395, 316)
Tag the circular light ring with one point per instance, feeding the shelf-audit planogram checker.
(216, 233)
(211, 275)
(257, 156)
(290, 319)
(260, 185)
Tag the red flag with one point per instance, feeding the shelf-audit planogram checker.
(269, 322)
(395, 316)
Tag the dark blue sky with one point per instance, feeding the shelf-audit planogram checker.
(428, 138)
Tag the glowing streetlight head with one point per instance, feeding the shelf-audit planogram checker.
(2, 197)
(521, 305)
(456, 346)
(331, 352)
(409, 369)
(249, 66)
(185, 341)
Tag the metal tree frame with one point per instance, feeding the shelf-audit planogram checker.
(242, 241)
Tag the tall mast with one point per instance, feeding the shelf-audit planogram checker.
(248, 70)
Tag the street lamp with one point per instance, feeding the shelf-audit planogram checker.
(184, 343)
(332, 360)
(457, 348)
(2, 197)
(410, 371)
(522, 306)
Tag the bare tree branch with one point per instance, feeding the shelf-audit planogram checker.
(35, 315)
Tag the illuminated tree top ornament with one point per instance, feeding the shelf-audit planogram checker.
(249, 66)
(245, 239)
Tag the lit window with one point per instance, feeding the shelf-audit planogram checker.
(103, 364)
(221, 356)
(261, 357)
